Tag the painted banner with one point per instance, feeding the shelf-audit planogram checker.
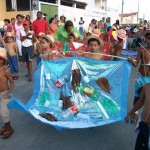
(78, 92)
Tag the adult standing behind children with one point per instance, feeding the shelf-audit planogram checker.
(18, 28)
(12, 50)
(52, 26)
(27, 39)
(40, 25)
(81, 24)
(62, 34)
(6, 88)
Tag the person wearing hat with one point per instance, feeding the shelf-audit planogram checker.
(118, 42)
(94, 43)
(47, 44)
(27, 39)
(6, 88)
(143, 74)
(39, 49)
(12, 50)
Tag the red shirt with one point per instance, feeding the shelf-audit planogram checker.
(39, 26)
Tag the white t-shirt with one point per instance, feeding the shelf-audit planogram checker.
(27, 42)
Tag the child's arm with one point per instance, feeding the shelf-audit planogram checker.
(135, 63)
(10, 79)
(137, 106)
(16, 48)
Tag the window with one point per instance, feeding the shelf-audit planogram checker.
(71, 3)
(23, 5)
(19, 5)
(10, 5)
(49, 1)
(100, 4)
(80, 6)
(66, 3)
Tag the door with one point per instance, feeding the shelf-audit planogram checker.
(50, 10)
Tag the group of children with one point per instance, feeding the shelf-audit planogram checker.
(49, 50)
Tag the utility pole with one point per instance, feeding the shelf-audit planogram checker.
(122, 11)
(138, 12)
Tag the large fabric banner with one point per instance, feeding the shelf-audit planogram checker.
(78, 93)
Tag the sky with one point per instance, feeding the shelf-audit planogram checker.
(132, 6)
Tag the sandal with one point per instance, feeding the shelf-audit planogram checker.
(2, 130)
(7, 134)
(15, 78)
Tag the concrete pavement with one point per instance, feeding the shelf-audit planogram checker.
(30, 134)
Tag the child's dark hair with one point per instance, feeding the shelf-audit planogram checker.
(71, 34)
(7, 20)
(50, 21)
(44, 38)
(68, 24)
(12, 19)
(94, 40)
(19, 15)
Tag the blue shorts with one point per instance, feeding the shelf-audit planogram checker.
(27, 53)
(140, 81)
(13, 64)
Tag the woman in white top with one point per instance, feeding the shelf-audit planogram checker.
(18, 28)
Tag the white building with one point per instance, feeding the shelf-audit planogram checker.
(72, 9)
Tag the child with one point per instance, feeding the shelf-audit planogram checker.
(39, 47)
(71, 37)
(47, 44)
(12, 49)
(5, 91)
(143, 75)
(143, 138)
(94, 43)
(27, 39)
(7, 26)
(118, 43)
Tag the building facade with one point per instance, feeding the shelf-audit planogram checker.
(72, 9)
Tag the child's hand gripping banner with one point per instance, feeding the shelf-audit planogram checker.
(78, 93)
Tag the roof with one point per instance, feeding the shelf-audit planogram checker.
(129, 14)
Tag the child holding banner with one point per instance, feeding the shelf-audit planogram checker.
(47, 44)
(94, 43)
(143, 137)
(143, 75)
(5, 91)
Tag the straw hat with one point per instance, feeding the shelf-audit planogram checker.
(94, 36)
(121, 34)
(3, 53)
(9, 34)
(49, 38)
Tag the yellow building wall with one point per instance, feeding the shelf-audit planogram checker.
(9, 14)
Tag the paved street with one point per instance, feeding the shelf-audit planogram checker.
(30, 134)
